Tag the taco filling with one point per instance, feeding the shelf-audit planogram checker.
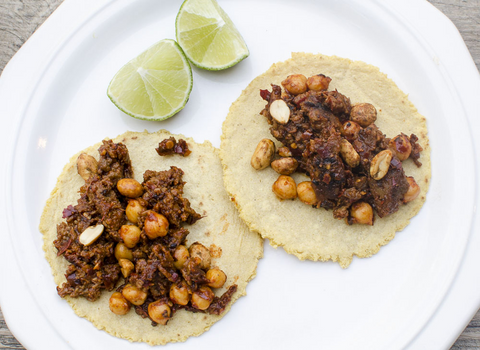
(317, 141)
(355, 170)
(121, 228)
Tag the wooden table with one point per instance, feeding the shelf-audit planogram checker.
(20, 18)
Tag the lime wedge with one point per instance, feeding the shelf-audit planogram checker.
(208, 36)
(155, 85)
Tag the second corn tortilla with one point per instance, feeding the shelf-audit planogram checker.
(301, 230)
(235, 249)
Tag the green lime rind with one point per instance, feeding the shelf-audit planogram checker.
(208, 36)
(155, 85)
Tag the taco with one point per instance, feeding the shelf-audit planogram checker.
(156, 275)
(329, 133)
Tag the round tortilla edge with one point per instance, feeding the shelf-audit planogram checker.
(244, 127)
(221, 225)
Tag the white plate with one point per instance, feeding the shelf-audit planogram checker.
(418, 292)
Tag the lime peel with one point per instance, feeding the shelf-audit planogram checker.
(208, 36)
(155, 85)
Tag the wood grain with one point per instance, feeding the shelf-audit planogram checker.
(465, 14)
(20, 18)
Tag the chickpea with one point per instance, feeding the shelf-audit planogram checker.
(202, 298)
(118, 304)
(86, 166)
(133, 210)
(130, 235)
(180, 255)
(216, 278)
(285, 166)
(159, 312)
(350, 130)
(122, 252)
(284, 152)
(364, 114)
(130, 188)
(413, 190)
(295, 84)
(156, 225)
(134, 295)
(179, 293)
(401, 146)
(198, 250)
(318, 82)
(285, 187)
(126, 267)
(361, 213)
(306, 193)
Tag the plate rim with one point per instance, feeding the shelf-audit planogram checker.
(67, 8)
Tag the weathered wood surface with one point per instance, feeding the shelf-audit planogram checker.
(20, 18)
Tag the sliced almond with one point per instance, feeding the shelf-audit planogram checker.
(91, 234)
(279, 111)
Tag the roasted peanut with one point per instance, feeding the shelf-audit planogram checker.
(306, 193)
(284, 152)
(318, 82)
(118, 304)
(134, 295)
(361, 213)
(130, 235)
(380, 164)
(364, 114)
(91, 234)
(413, 190)
(285, 187)
(202, 298)
(155, 225)
(285, 166)
(86, 166)
(295, 84)
(126, 266)
(133, 210)
(350, 130)
(179, 293)
(280, 111)
(159, 312)
(122, 252)
(198, 250)
(401, 146)
(348, 153)
(216, 278)
(263, 154)
(130, 188)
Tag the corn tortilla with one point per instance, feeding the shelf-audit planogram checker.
(307, 232)
(236, 249)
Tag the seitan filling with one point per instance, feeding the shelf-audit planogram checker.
(355, 170)
(131, 237)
